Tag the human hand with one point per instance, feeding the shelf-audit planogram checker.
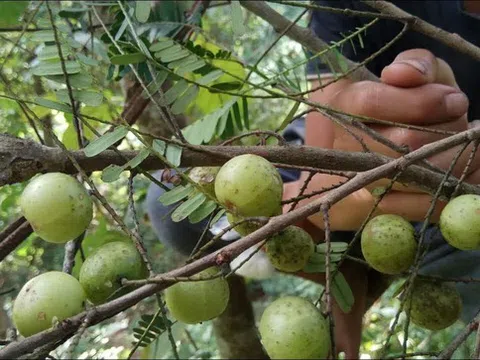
(417, 89)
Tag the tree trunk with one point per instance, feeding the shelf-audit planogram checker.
(235, 329)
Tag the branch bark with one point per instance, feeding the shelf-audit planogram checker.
(21, 159)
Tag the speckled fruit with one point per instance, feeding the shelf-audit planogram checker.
(46, 299)
(460, 222)
(205, 177)
(102, 272)
(192, 302)
(435, 305)
(290, 249)
(293, 328)
(244, 228)
(57, 206)
(388, 244)
(248, 185)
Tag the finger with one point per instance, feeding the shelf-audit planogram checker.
(424, 105)
(417, 67)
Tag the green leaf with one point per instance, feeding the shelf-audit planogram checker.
(10, 12)
(43, 36)
(183, 62)
(174, 92)
(335, 247)
(174, 154)
(73, 13)
(237, 18)
(210, 77)
(154, 86)
(209, 127)
(176, 194)
(76, 80)
(174, 56)
(159, 146)
(222, 123)
(105, 141)
(87, 97)
(191, 67)
(342, 293)
(182, 102)
(53, 105)
(51, 52)
(151, 327)
(202, 211)
(162, 45)
(217, 216)
(111, 173)
(289, 117)
(44, 69)
(246, 120)
(87, 60)
(127, 59)
(138, 159)
(142, 10)
(188, 207)
(236, 116)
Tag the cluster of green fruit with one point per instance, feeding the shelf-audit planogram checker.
(60, 209)
(290, 327)
(389, 246)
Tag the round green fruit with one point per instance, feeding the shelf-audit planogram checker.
(460, 222)
(57, 207)
(435, 305)
(290, 249)
(192, 302)
(293, 328)
(205, 177)
(102, 272)
(244, 228)
(45, 300)
(388, 244)
(248, 185)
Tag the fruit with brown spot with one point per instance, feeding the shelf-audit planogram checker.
(290, 249)
(45, 300)
(293, 328)
(460, 222)
(249, 185)
(388, 244)
(434, 305)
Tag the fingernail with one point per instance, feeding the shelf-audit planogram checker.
(417, 65)
(457, 104)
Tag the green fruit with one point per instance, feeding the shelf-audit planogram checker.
(192, 302)
(102, 272)
(57, 207)
(388, 244)
(293, 328)
(435, 305)
(244, 228)
(205, 177)
(460, 222)
(45, 300)
(248, 185)
(290, 249)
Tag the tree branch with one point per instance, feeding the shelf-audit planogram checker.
(21, 159)
(308, 39)
(454, 41)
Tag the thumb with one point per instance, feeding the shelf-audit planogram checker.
(418, 67)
